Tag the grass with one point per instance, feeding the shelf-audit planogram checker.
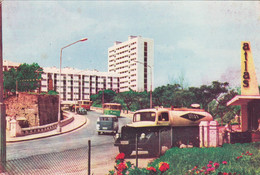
(243, 159)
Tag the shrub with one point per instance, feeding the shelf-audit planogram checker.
(231, 159)
(53, 92)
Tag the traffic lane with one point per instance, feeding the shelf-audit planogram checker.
(72, 140)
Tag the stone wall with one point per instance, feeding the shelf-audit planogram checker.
(33, 109)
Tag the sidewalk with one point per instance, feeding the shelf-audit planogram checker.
(79, 121)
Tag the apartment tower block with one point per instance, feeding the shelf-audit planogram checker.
(133, 61)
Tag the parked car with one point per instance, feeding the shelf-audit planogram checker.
(82, 111)
(107, 124)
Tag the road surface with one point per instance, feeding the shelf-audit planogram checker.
(103, 151)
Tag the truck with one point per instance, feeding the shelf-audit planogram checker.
(153, 128)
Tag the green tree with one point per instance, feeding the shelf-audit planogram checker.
(25, 78)
(143, 100)
(28, 76)
(164, 95)
(219, 109)
(183, 98)
(10, 78)
(108, 95)
(127, 99)
(205, 94)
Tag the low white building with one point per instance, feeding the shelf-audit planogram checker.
(133, 61)
(77, 84)
(9, 64)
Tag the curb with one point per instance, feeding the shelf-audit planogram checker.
(44, 135)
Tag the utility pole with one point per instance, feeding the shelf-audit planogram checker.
(2, 106)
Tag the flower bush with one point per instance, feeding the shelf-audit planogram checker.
(121, 167)
(163, 166)
(231, 159)
(120, 157)
(151, 171)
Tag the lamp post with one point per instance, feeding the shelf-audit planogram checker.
(59, 114)
(151, 96)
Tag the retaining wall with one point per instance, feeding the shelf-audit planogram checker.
(33, 109)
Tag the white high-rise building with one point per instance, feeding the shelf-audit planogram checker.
(133, 61)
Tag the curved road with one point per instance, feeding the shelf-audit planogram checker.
(103, 151)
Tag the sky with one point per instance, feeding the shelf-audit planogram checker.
(198, 41)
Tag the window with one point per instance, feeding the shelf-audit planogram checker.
(164, 116)
(144, 116)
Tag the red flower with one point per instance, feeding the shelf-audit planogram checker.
(216, 165)
(238, 157)
(247, 152)
(209, 165)
(224, 162)
(120, 156)
(121, 167)
(195, 167)
(225, 173)
(151, 169)
(163, 166)
(210, 162)
(250, 154)
(210, 169)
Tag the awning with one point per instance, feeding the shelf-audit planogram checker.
(243, 99)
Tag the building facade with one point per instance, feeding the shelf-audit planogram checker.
(133, 61)
(9, 64)
(77, 84)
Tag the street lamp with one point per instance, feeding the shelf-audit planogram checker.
(151, 96)
(59, 114)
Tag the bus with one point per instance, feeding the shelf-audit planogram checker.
(86, 104)
(112, 109)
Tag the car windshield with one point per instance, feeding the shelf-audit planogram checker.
(144, 116)
(105, 119)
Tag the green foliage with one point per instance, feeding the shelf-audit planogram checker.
(51, 92)
(183, 160)
(164, 95)
(108, 96)
(212, 98)
(10, 78)
(132, 100)
(138, 171)
(24, 78)
(207, 93)
(219, 109)
(128, 98)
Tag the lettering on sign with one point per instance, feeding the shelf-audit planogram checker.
(246, 76)
(192, 116)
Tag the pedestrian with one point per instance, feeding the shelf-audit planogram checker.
(227, 130)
